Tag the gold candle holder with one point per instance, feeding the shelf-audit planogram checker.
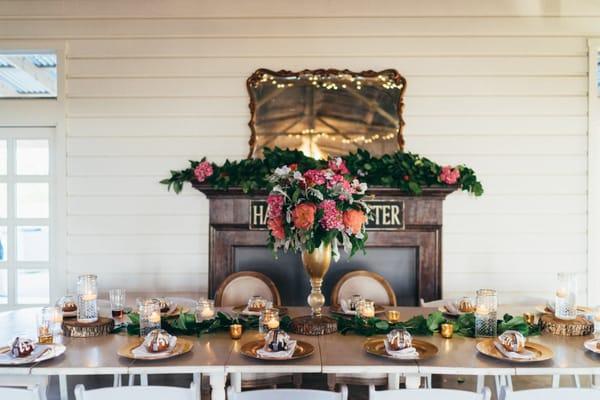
(393, 316)
(529, 318)
(235, 331)
(446, 330)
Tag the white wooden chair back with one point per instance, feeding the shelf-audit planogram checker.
(136, 393)
(20, 394)
(428, 394)
(550, 394)
(288, 394)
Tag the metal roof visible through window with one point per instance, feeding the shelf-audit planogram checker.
(27, 75)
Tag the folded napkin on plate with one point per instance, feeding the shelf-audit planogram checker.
(524, 355)
(550, 306)
(142, 352)
(451, 307)
(257, 313)
(7, 358)
(278, 355)
(345, 304)
(410, 353)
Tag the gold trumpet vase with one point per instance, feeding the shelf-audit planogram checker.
(316, 264)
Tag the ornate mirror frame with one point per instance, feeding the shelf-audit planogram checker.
(257, 77)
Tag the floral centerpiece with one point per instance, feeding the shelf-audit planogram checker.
(317, 207)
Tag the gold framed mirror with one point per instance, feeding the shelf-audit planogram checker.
(326, 112)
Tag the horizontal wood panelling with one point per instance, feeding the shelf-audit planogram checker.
(134, 244)
(136, 225)
(137, 263)
(539, 263)
(508, 223)
(516, 204)
(550, 242)
(127, 205)
(153, 280)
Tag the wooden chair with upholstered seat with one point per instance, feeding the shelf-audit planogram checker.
(369, 285)
(235, 290)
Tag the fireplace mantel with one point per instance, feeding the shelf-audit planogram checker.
(230, 229)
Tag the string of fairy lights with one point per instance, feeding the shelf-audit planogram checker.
(362, 139)
(330, 81)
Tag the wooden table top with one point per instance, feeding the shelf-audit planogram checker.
(336, 353)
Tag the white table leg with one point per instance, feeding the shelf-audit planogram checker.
(393, 381)
(236, 381)
(116, 380)
(596, 382)
(555, 381)
(131, 380)
(479, 383)
(63, 387)
(197, 377)
(577, 381)
(217, 384)
(143, 379)
(412, 381)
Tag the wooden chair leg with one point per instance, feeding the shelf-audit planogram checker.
(331, 382)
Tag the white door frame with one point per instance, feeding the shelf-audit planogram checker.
(593, 199)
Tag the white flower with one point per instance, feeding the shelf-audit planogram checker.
(298, 176)
(282, 171)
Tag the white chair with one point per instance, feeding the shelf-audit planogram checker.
(287, 394)
(428, 394)
(37, 382)
(550, 394)
(136, 393)
(20, 394)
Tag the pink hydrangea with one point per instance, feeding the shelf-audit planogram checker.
(275, 206)
(449, 175)
(339, 179)
(338, 166)
(314, 177)
(203, 171)
(332, 217)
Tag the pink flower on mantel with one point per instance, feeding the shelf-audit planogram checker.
(449, 175)
(332, 217)
(203, 171)
(338, 166)
(314, 177)
(275, 205)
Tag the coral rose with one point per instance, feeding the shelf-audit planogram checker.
(304, 215)
(449, 175)
(275, 225)
(354, 220)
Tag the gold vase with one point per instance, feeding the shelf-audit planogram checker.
(316, 265)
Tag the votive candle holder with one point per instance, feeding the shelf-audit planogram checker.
(87, 298)
(486, 310)
(149, 310)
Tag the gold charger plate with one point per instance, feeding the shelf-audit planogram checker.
(181, 347)
(542, 353)
(337, 309)
(240, 309)
(175, 311)
(425, 349)
(303, 349)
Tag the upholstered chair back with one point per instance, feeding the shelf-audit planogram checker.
(369, 285)
(237, 288)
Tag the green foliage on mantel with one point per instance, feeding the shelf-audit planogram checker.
(406, 171)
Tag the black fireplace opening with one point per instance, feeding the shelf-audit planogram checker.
(398, 265)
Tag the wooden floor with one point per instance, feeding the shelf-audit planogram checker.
(317, 381)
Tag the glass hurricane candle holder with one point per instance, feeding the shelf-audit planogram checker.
(354, 300)
(366, 308)
(205, 310)
(117, 302)
(149, 310)
(486, 310)
(87, 298)
(565, 306)
(49, 323)
(268, 320)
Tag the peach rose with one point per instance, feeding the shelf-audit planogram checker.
(304, 215)
(354, 220)
(276, 227)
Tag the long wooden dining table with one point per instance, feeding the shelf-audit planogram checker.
(218, 356)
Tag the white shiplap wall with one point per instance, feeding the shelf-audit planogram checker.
(501, 86)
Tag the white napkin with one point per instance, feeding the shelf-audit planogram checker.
(451, 307)
(409, 353)
(7, 358)
(550, 306)
(345, 304)
(278, 355)
(524, 355)
(142, 352)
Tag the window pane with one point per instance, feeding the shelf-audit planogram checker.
(32, 243)
(3, 157)
(3, 286)
(33, 286)
(32, 200)
(32, 157)
(3, 243)
(3, 201)
(28, 75)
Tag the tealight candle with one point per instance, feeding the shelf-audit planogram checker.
(366, 308)
(205, 310)
(446, 330)
(562, 293)
(269, 319)
(273, 323)
(149, 310)
(235, 331)
(393, 316)
(154, 318)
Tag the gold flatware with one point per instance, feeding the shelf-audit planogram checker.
(303, 349)
(4, 349)
(425, 349)
(540, 352)
(181, 347)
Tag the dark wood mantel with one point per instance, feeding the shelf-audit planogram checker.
(423, 219)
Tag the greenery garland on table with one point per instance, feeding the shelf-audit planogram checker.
(464, 325)
(406, 171)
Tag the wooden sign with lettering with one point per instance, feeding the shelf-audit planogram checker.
(385, 215)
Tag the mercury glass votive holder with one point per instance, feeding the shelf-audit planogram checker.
(149, 310)
(486, 311)
(87, 298)
(366, 308)
(235, 331)
(269, 319)
(565, 306)
(393, 316)
(446, 330)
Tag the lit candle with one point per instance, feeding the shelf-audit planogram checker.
(207, 313)
(273, 323)
(89, 297)
(562, 293)
(154, 317)
(482, 309)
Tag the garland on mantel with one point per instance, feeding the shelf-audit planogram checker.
(406, 171)
(419, 325)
